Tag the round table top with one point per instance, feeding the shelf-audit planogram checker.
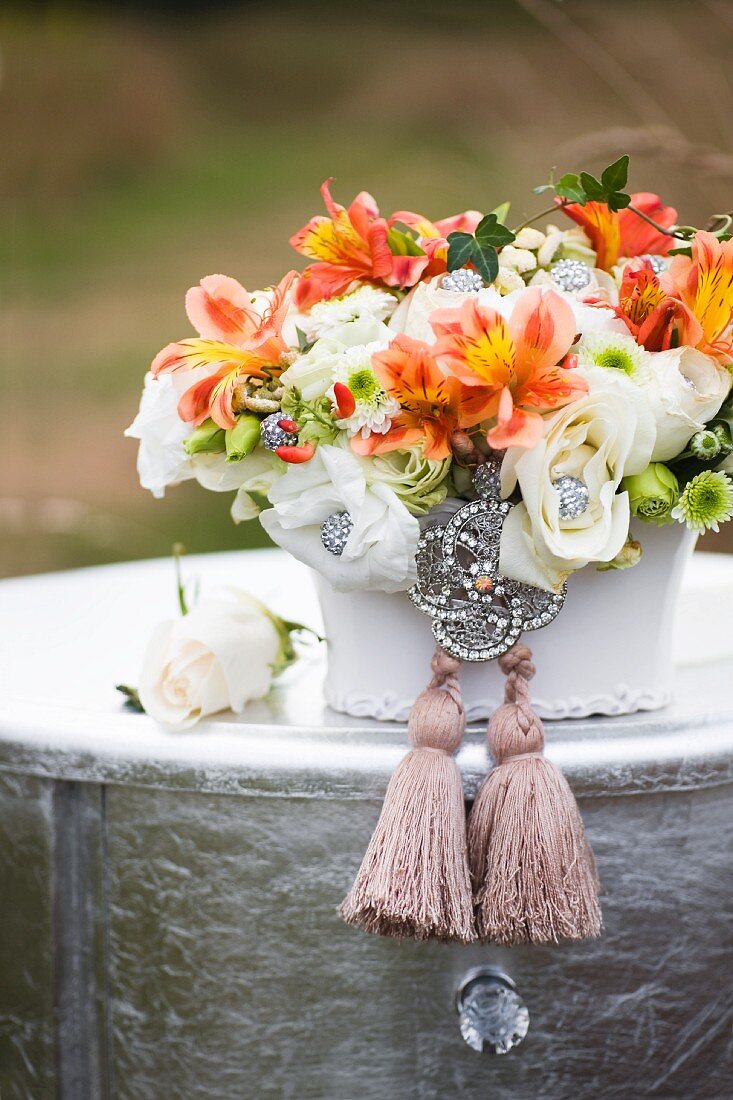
(68, 638)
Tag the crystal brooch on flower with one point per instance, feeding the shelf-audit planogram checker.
(477, 614)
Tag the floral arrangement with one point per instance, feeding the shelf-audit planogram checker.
(353, 398)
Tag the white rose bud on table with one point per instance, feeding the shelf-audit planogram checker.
(219, 656)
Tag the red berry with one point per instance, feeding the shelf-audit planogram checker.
(345, 402)
(296, 454)
(287, 425)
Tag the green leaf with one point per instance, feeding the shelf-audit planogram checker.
(618, 200)
(543, 187)
(486, 262)
(502, 211)
(304, 344)
(132, 698)
(594, 189)
(490, 232)
(614, 177)
(461, 247)
(569, 187)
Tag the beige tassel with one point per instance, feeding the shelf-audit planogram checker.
(414, 879)
(533, 870)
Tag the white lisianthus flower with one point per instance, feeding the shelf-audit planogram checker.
(412, 316)
(603, 436)
(161, 457)
(313, 373)
(686, 390)
(366, 303)
(380, 550)
(375, 409)
(219, 656)
(683, 388)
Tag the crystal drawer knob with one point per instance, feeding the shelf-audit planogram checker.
(492, 1016)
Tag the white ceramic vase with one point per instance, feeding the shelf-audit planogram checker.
(609, 651)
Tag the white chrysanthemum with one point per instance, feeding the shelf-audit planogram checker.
(375, 409)
(614, 351)
(364, 304)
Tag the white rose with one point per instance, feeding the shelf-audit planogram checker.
(218, 656)
(599, 438)
(412, 316)
(686, 389)
(380, 550)
(314, 372)
(161, 458)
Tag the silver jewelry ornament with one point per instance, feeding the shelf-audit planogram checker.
(477, 614)
(464, 280)
(335, 530)
(273, 436)
(658, 263)
(574, 496)
(571, 275)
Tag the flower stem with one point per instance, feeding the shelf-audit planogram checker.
(542, 214)
(680, 236)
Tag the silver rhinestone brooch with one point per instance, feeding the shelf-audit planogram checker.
(657, 263)
(464, 280)
(335, 530)
(571, 275)
(573, 496)
(273, 436)
(477, 614)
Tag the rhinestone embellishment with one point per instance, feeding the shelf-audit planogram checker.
(463, 281)
(273, 436)
(477, 614)
(657, 262)
(335, 530)
(574, 496)
(571, 275)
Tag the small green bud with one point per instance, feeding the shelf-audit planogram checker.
(242, 439)
(725, 438)
(705, 445)
(208, 438)
(653, 493)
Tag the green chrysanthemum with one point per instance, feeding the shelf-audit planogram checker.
(614, 351)
(364, 385)
(706, 501)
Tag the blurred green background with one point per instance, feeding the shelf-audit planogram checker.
(145, 146)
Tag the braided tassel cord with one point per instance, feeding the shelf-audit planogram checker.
(414, 879)
(533, 871)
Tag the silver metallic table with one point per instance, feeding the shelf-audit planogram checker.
(168, 924)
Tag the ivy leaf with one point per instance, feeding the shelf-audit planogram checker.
(461, 247)
(614, 177)
(618, 200)
(486, 262)
(490, 232)
(594, 189)
(569, 187)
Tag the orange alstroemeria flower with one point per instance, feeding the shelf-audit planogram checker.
(514, 367)
(434, 405)
(348, 245)
(353, 244)
(240, 336)
(656, 320)
(704, 284)
(623, 233)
